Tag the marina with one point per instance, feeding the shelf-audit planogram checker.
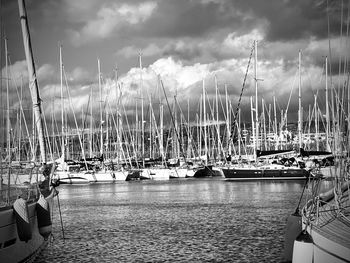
(233, 149)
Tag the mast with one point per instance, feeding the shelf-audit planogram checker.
(20, 121)
(161, 135)
(275, 123)
(8, 125)
(253, 129)
(256, 96)
(91, 128)
(150, 128)
(62, 105)
(101, 115)
(228, 128)
(316, 123)
(239, 133)
(327, 108)
(118, 96)
(142, 120)
(199, 133)
(32, 79)
(300, 124)
(264, 122)
(205, 127)
(217, 116)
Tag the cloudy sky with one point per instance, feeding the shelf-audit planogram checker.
(182, 41)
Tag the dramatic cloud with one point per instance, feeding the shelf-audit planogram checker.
(184, 42)
(109, 18)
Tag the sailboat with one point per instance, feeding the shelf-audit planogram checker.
(266, 170)
(25, 222)
(320, 230)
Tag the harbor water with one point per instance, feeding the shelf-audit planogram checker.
(180, 220)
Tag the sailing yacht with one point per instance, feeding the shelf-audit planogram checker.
(320, 230)
(267, 170)
(262, 168)
(25, 219)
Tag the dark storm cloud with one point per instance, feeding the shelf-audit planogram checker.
(287, 20)
(193, 19)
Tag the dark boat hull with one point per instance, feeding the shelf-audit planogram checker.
(133, 175)
(264, 174)
(207, 171)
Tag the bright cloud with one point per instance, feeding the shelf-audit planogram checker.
(137, 14)
(236, 42)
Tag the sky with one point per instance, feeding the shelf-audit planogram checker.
(184, 45)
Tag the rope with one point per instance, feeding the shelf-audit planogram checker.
(297, 211)
(59, 209)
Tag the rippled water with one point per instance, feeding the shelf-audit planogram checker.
(185, 220)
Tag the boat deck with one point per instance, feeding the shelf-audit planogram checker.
(334, 223)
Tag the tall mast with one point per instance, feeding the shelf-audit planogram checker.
(20, 121)
(199, 121)
(316, 123)
(217, 116)
(256, 95)
(228, 128)
(264, 122)
(239, 133)
(62, 105)
(142, 120)
(275, 123)
(91, 128)
(189, 136)
(253, 125)
(327, 108)
(161, 143)
(161, 122)
(300, 124)
(8, 125)
(32, 79)
(118, 95)
(101, 115)
(205, 127)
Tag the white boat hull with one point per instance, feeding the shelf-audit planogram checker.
(109, 176)
(156, 173)
(178, 173)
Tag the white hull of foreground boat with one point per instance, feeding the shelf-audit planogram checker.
(156, 173)
(325, 250)
(329, 228)
(178, 173)
(190, 172)
(11, 248)
(73, 178)
(109, 176)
